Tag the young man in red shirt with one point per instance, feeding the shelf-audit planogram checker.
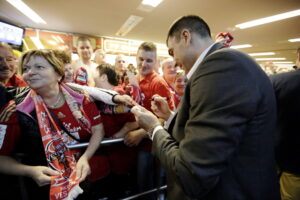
(150, 84)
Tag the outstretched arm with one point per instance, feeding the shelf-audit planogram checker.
(40, 174)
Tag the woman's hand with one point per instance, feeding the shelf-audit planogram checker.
(82, 168)
(42, 175)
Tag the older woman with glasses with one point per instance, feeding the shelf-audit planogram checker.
(51, 116)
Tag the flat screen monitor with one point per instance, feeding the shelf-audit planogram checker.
(11, 34)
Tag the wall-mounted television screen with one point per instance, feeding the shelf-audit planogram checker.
(11, 34)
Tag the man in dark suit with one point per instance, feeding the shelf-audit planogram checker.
(219, 145)
(287, 92)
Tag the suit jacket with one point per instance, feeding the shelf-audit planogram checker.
(287, 92)
(221, 143)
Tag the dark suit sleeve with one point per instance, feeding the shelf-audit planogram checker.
(221, 98)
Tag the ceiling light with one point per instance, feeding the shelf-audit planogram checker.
(130, 23)
(269, 19)
(261, 59)
(23, 8)
(153, 3)
(294, 40)
(262, 54)
(283, 62)
(241, 46)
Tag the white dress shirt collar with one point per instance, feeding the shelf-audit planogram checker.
(198, 61)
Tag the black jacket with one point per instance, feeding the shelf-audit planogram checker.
(287, 91)
(221, 143)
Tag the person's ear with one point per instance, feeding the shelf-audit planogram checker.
(186, 36)
(103, 77)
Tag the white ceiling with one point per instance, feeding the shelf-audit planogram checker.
(105, 17)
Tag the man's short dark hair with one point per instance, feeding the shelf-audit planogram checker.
(193, 23)
(147, 46)
(110, 72)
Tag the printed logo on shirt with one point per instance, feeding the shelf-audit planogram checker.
(60, 115)
(2, 134)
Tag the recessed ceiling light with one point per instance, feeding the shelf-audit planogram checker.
(261, 59)
(241, 46)
(26, 10)
(153, 3)
(269, 19)
(262, 54)
(129, 24)
(294, 40)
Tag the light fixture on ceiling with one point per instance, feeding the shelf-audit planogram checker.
(26, 10)
(262, 54)
(269, 59)
(129, 24)
(269, 19)
(294, 40)
(284, 62)
(153, 3)
(241, 46)
(148, 5)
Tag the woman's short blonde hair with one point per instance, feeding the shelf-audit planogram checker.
(49, 55)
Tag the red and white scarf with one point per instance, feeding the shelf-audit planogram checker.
(64, 186)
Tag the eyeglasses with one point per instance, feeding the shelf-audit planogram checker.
(7, 59)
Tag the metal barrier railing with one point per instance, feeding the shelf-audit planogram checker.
(116, 140)
(104, 141)
(146, 192)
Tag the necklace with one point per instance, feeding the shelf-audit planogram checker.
(58, 102)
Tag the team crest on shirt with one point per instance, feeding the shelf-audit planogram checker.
(60, 115)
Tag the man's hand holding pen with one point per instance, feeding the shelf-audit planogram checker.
(160, 107)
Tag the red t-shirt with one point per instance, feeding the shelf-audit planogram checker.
(66, 117)
(154, 84)
(99, 163)
(121, 157)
